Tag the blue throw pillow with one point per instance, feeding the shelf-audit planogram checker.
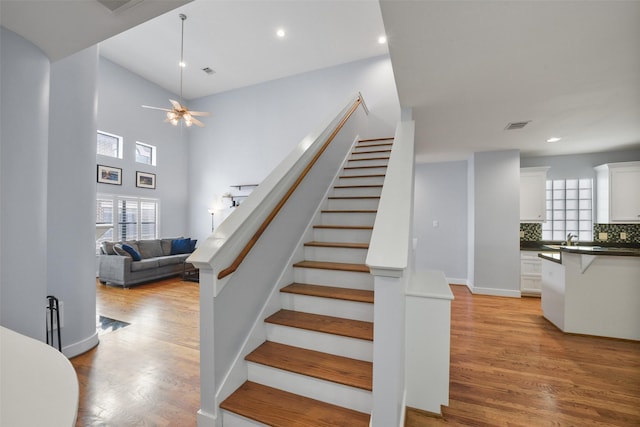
(193, 245)
(181, 246)
(134, 254)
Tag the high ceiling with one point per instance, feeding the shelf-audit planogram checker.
(466, 68)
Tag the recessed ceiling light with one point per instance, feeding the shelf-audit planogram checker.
(182, 64)
(382, 39)
(554, 139)
(281, 33)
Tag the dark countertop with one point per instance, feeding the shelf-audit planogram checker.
(551, 249)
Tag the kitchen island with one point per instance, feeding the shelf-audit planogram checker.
(593, 290)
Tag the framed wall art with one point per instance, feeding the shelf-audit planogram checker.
(109, 175)
(145, 180)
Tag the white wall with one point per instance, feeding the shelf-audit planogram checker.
(578, 165)
(120, 112)
(494, 234)
(252, 129)
(70, 196)
(24, 84)
(441, 196)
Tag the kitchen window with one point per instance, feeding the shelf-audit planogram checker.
(569, 209)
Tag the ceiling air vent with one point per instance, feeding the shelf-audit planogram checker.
(118, 5)
(209, 70)
(516, 125)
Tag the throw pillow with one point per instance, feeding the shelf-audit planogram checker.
(107, 248)
(181, 246)
(117, 249)
(150, 248)
(193, 245)
(134, 254)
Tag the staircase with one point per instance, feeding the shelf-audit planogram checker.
(315, 369)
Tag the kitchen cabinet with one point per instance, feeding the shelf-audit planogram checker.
(618, 193)
(533, 205)
(530, 273)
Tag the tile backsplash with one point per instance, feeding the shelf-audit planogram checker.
(613, 232)
(530, 231)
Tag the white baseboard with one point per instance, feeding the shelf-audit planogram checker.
(495, 292)
(80, 347)
(206, 419)
(457, 281)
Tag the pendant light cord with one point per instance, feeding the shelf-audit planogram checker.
(182, 64)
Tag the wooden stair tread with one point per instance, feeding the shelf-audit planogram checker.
(323, 291)
(370, 151)
(364, 167)
(387, 138)
(323, 366)
(325, 324)
(347, 245)
(368, 158)
(359, 186)
(353, 197)
(279, 408)
(349, 211)
(377, 175)
(344, 227)
(326, 265)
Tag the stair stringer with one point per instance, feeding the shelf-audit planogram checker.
(238, 373)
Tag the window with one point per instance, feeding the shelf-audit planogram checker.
(145, 153)
(109, 145)
(132, 218)
(569, 209)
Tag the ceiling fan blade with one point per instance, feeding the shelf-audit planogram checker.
(199, 113)
(155, 108)
(197, 122)
(176, 105)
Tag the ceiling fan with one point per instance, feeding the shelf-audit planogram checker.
(180, 111)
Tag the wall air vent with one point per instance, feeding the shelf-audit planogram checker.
(516, 125)
(209, 70)
(118, 5)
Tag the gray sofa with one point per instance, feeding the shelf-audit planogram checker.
(158, 258)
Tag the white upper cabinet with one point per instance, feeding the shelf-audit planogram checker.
(618, 193)
(533, 206)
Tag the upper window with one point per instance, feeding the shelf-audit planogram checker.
(569, 209)
(109, 145)
(145, 153)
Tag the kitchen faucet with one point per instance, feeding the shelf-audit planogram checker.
(570, 239)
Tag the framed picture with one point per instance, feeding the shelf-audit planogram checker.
(109, 175)
(145, 180)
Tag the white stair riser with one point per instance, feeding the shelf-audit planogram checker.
(348, 218)
(352, 204)
(372, 162)
(341, 279)
(319, 341)
(368, 153)
(373, 145)
(341, 235)
(229, 419)
(353, 170)
(328, 306)
(356, 191)
(313, 388)
(366, 180)
(316, 253)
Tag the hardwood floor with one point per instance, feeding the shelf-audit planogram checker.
(509, 366)
(147, 373)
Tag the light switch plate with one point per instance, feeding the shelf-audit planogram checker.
(521, 234)
(623, 236)
(603, 236)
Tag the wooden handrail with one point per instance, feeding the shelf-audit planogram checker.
(254, 239)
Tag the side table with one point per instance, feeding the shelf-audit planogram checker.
(189, 272)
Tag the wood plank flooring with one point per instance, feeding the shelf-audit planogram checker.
(509, 366)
